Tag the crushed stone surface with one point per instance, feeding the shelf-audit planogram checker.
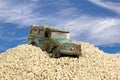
(27, 62)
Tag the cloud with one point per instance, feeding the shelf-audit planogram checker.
(18, 13)
(96, 30)
(11, 38)
(28, 12)
(99, 31)
(114, 6)
(9, 35)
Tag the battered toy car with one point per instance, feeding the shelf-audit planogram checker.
(53, 40)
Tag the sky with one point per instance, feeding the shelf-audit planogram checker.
(93, 21)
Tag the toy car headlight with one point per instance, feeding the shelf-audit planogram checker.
(73, 47)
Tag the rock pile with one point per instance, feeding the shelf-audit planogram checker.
(26, 62)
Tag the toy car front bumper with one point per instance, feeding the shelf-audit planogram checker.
(66, 52)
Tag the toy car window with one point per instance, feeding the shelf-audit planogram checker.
(40, 33)
(60, 35)
(47, 34)
(33, 31)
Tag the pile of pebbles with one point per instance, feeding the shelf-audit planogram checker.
(27, 62)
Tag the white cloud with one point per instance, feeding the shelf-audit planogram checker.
(9, 38)
(114, 6)
(19, 38)
(19, 13)
(99, 31)
(96, 30)
(27, 12)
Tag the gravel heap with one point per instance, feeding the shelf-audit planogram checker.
(26, 62)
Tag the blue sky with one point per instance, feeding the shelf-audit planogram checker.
(93, 21)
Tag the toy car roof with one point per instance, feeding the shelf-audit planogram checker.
(53, 29)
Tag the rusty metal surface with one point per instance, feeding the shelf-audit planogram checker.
(42, 37)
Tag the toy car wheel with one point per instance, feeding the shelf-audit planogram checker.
(34, 44)
(56, 54)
